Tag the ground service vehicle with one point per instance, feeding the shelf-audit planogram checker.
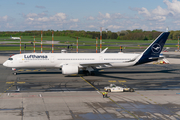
(114, 88)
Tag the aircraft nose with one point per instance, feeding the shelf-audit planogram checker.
(5, 64)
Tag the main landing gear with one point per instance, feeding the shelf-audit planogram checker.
(14, 73)
(88, 73)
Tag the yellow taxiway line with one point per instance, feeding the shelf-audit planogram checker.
(112, 100)
(112, 81)
(7, 89)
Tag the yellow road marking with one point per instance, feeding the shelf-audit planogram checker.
(121, 81)
(35, 70)
(21, 82)
(101, 70)
(20, 70)
(9, 82)
(6, 91)
(112, 80)
(73, 75)
(112, 100)
(43, 70)
(91, 85)
(28, 70)
(14, 82)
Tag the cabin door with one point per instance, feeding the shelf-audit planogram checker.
(52, 59)
(100, 58)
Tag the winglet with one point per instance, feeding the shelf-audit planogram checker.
(104, 50)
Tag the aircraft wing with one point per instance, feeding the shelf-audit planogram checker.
(91, 64)
(95, 64)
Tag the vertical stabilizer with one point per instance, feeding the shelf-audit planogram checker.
(153, 51)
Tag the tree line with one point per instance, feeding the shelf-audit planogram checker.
(137, 34)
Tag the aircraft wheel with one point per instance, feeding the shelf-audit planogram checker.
(131, 90)
(15, 73)
(109, 90)
(87, 73)
(93, 73)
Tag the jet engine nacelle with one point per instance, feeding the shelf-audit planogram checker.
(69, 69)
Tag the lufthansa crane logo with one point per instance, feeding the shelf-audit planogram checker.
(156, 48)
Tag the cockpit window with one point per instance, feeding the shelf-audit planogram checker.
(10, 59)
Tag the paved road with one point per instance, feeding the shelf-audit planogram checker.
(47, 94)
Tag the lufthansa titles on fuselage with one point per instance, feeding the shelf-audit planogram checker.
(32, 57)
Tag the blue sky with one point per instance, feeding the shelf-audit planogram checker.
(89, 15)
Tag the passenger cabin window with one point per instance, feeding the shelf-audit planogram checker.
(10, 59)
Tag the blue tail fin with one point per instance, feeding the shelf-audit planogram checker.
(153, 51)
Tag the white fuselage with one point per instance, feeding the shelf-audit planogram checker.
(57, 60)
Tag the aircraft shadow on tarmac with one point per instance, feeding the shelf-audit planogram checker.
(135, 72)
(39, 73)
(36, 73)
(103, 73)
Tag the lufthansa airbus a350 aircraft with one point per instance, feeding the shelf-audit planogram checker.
(72, 63)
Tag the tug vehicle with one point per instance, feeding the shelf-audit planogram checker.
(114, 88)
